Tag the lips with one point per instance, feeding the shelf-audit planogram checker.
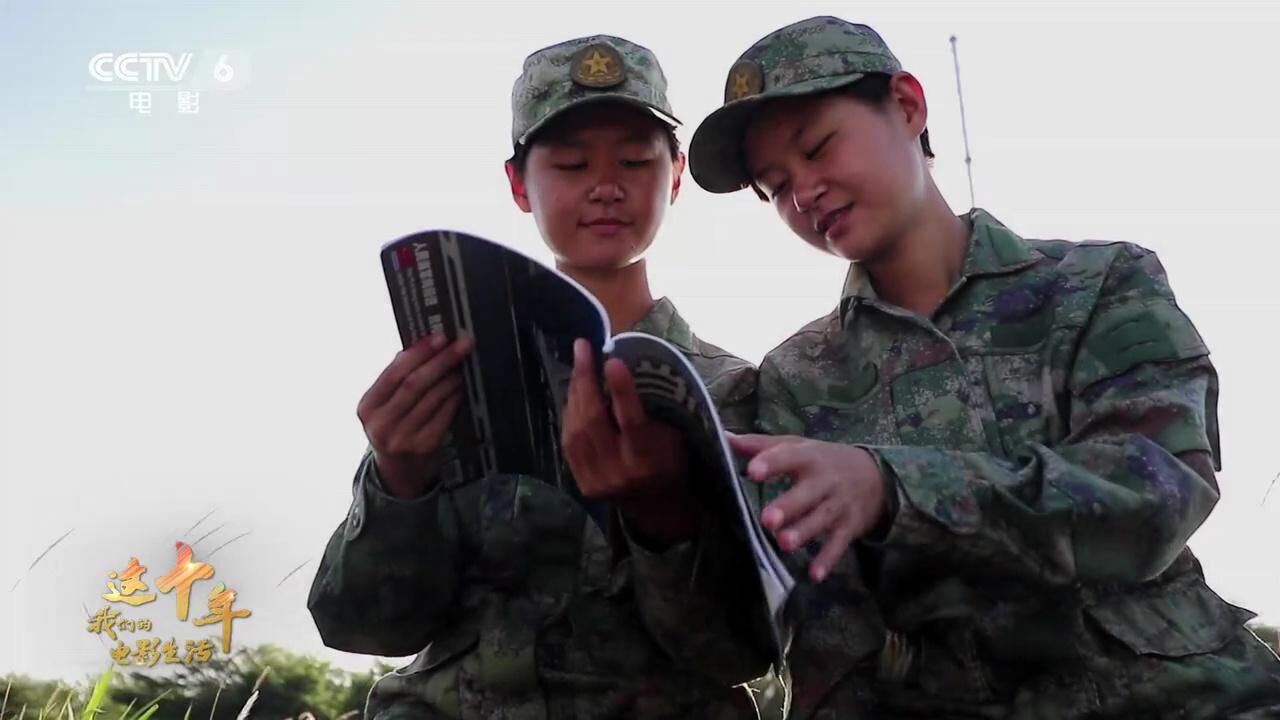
(825, 222)
(606, 227)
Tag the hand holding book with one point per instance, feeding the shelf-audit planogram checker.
(837, 493)
(407, 412)
(617, 453)
(516, 413)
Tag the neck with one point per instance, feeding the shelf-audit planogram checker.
(624, 291)
(925, 262)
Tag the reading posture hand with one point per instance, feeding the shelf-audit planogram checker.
(618, 453)
(408, 409)
(837, 492)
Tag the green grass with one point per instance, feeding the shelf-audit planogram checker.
(265, 682)
(62, 701)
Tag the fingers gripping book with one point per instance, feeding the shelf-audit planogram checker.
(524, 318)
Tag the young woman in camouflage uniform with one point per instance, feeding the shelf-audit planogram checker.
(991, 454)
(518, 603)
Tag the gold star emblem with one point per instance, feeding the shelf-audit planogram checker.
(745, 80)
(598, 66)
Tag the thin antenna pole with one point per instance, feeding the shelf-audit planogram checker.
(964, 127)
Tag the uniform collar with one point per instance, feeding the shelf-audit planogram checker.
(993, 249)
(665, 322)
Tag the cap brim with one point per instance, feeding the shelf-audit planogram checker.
(715, 152)
(625, 99)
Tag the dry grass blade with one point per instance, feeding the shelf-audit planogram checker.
(291, 572)
(127, 708)
(248, 705)
(40, 557)
(202, 537)
(216, 695)
(187, 715)
(147, 712)
(198, 522)
(211, 552)
(258, 683)
(5, 704)
(150, 708)
(1270, 487)
(49, 703)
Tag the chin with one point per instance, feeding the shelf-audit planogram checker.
(605, 258)
(852, 248)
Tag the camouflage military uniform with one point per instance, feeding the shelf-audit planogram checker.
(525, 606)
(1050, 437)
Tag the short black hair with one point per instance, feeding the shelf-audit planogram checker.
(873, 89)
(876, 89)
(520, 156)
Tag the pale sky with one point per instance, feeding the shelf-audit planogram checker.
(194, 303)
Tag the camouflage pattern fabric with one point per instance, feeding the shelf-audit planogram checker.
(589, 69)
(525, 608)
(1051, 437)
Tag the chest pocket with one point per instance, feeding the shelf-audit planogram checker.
(1024, 398)
(1026, 393)
(940, 405)
(854, 407)
(859, 410)
(1017, 344)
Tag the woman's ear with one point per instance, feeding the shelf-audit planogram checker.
(908, 96)
(677, 173)
(519, 193)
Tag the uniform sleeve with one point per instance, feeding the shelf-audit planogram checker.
(390, 571)
(1118, 498)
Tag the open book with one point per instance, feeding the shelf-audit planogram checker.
(525, 317)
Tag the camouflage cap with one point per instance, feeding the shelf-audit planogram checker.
(584, 70)
(810, 56)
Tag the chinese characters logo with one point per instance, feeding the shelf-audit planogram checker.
(128, 588)
(143, 75)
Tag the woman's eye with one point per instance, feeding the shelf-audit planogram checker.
(812, 154)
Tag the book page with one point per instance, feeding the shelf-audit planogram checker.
(673, 392)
